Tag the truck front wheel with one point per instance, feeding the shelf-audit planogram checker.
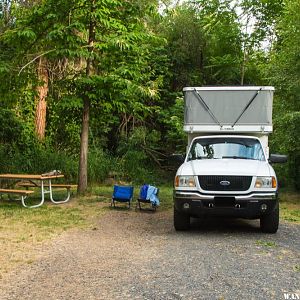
(269, 223)
(181, 221)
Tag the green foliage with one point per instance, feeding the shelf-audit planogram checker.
(10, 126)
(185, 39)
(140, 60)
(284, 71)
(100, 164)
(286, 140)
(36, 159)
(172, 118)
(138, 156)
(285, 64)
(223, 45)
(63, 124)
(39, 158)
(262, 16)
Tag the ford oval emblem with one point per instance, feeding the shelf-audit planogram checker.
(225, 183)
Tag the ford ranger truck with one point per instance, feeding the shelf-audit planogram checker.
(227, 173)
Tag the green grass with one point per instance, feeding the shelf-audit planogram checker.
(290, 207)
(265, 243)
(47, 217)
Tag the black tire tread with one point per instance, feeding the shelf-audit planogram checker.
(181, 221)
(269, 223)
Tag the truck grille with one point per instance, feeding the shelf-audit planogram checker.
(224, 183)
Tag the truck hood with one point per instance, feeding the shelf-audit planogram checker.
(240, 167)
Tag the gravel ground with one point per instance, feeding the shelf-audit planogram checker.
(138, 255)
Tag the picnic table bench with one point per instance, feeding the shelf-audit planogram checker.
(22, 193)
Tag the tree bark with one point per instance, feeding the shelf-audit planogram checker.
(244, 62)
(82, 177)
(42, 92)
(84, 140)
(243, 69)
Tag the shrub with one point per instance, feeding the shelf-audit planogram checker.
(99, 165)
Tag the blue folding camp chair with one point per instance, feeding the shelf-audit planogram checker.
(122, 194)
(144, 199)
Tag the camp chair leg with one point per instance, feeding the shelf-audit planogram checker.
(113, 203)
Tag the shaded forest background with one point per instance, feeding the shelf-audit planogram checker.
(99, 81)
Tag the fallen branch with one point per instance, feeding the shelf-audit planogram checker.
(33, 60)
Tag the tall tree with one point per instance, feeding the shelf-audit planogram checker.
(83, 179)
(104, 43)
(41, 98)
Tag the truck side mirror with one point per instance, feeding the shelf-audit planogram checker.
(278, 158)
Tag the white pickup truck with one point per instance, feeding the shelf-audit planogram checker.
(227, 171)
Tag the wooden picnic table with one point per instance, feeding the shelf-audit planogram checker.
(41, 181)
(30, 176)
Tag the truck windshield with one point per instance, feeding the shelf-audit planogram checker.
(226, 147)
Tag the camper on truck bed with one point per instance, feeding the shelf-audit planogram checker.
(227, 171)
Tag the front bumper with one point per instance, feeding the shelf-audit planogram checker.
(250, 206)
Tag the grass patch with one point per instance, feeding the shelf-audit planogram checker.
(22, 230)
(290, 207)
(265, 243)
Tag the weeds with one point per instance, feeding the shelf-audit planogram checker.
(297, 268)
(266, 243)
(290, 207)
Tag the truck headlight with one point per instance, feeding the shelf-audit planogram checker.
(185, 181)
(266, 182)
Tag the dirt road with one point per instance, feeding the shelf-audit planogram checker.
(133, 255)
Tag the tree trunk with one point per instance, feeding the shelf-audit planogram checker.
(243, 69)
(84, 141)
(42, 92)
(245, 56)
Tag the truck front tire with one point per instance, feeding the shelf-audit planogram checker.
(269, 223)
(181, 221)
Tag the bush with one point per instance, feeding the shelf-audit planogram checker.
(10, 126)
(138, 159)
(286, 140)
(37, 159)
(99, 165)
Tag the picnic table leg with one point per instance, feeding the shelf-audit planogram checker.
(61, 201)
(31, 206)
